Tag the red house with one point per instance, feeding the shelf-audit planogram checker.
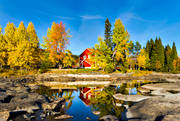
(85, 58)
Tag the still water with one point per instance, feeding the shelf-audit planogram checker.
(81, 103)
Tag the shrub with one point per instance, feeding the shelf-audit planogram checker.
(109, 68)
(44, 66)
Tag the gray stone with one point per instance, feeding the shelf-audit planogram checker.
(155, 107)
(132, 98)
(4, 115)
(109, 118)
(65, 116)
(96, 112)
(163, 86)
(160, 92)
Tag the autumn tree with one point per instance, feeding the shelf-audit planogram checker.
(18, 56)
(68, 60)
(10, 30)
(9, 37)
(101, 56)
(121, 44)
(143, 59)
(33, 53)
(55, 42)
(3, 50)
(178, 64)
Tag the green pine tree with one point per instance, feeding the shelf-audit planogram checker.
(160, 55)
(148, 48)
(137, 48)
(153, 55)
(174, 54)
(168, 60)
(108, 34)
(151, 47)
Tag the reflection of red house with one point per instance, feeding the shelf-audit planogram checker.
(85, 58)
(87, 93)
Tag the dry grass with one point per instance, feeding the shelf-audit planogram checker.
(17, 73)
(141, 73)
(75, 71)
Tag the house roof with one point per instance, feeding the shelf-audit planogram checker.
(90, 49)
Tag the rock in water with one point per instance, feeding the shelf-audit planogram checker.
(87, 118)
(65, 116)
(109, 118)
(96, 112)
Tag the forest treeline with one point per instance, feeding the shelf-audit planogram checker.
(117, 51)
(20, 50)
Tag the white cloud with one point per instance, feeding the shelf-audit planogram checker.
(131, 16)
(91, 17)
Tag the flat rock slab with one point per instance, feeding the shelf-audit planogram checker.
(131, 98)
(160, 92)
(144, 91)
(163, 86)
(156, 107)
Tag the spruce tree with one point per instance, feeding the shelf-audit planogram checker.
(154, 55)
(147, 50)
(174, 54)
(108, 34)
(160, 54)
(168, 59)
(137, 48)
(148, 47)
(151, 47)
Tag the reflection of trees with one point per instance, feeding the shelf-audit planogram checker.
(105, 103)
(67, 94)
(43, 90)
(55, 94)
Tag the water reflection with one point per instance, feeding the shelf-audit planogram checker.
(83, 101)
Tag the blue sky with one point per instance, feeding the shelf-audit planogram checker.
(143, 19)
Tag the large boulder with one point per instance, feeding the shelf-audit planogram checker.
(154, 108)
(4, 115)
(163, 86)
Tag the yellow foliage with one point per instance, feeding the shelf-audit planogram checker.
(142, 59)
(56, 42)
